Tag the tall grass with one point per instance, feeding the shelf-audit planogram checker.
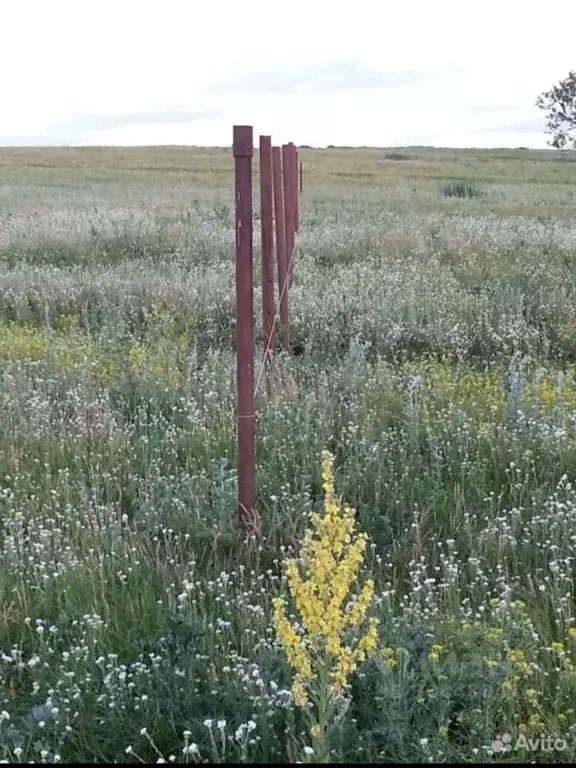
(439, 370)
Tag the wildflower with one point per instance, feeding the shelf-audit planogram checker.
(434, 655)
(332, 554)
(308, 751)
(536, 723)
(300, 697)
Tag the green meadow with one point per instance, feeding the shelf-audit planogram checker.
(434, 303)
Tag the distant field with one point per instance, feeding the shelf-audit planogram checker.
(434, 299)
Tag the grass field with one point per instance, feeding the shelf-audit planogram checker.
(434, 297)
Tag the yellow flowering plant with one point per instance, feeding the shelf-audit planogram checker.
(328, 643)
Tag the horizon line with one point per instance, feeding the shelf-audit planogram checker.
(298, 146)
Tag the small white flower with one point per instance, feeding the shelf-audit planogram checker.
(424, 742)
(4, 715)
(308, 751)
(128, 750)
(143, 731)
(187, 734)
(208, 723)
(221, 725)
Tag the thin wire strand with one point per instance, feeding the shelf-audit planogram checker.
(276, 315)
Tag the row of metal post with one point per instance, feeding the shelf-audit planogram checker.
(279, 214)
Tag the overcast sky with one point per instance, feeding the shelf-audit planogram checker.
(366, 72)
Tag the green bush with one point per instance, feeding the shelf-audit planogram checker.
(462, 189)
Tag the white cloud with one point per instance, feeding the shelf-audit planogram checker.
(68, 72)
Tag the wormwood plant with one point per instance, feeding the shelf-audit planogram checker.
(327, 644)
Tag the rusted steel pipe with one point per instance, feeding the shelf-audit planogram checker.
(243, 149)
(280, 241)
(289, 216)
(267, 231)
(296, 188)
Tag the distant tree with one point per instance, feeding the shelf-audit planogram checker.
(560, 105)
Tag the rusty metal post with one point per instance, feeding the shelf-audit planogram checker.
(243, 149)
(266, 224)
(280, 241)
(288, 207)
(296, 190)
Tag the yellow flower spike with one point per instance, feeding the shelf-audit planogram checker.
(322, 587)
(370, 640)
(299, 694)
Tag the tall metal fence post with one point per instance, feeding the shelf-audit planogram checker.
(296, 190)
(288, 207)
(267, 230)
(280, 242)
(243, 149)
